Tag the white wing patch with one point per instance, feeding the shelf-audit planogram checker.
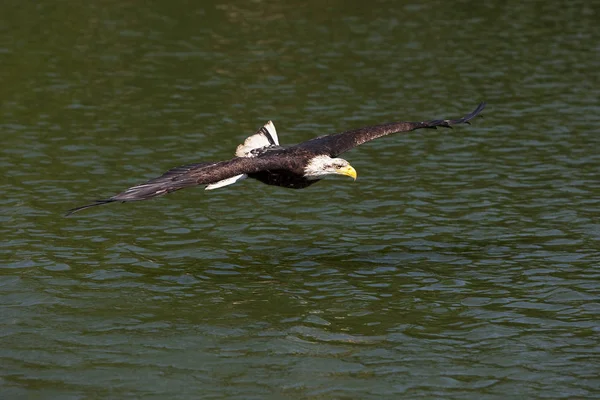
(264, 137)
(226, 182)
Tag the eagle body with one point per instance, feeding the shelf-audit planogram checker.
(283, 178)
(262, 158)
(289, 172)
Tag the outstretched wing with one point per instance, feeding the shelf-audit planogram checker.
(186, 176)
(336, 144)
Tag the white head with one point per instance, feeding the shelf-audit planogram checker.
(320, 166)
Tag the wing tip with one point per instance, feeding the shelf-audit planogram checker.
(96, 203)
(467, 118)
(475, 112)
(447, 123)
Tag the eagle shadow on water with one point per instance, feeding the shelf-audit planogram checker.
(261, 157)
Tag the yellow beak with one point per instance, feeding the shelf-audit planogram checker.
(348, 171)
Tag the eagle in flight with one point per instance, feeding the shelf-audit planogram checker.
(262, 158)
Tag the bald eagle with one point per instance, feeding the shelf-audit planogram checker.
(262, 158)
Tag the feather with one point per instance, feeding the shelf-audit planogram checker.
(260, 157)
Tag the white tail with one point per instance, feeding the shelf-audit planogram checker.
(264, 137)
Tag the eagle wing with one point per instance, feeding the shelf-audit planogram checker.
(336, 144)
(186, 176)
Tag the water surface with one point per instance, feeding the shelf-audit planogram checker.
(461, 264)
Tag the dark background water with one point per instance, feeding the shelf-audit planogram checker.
(461, 264)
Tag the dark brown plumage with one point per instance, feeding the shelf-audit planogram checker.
(261, 158)
(339, 143)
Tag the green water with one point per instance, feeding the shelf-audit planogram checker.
(461, 264)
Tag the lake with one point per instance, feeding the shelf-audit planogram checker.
(462, 264)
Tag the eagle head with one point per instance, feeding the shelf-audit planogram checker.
(320, 166)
